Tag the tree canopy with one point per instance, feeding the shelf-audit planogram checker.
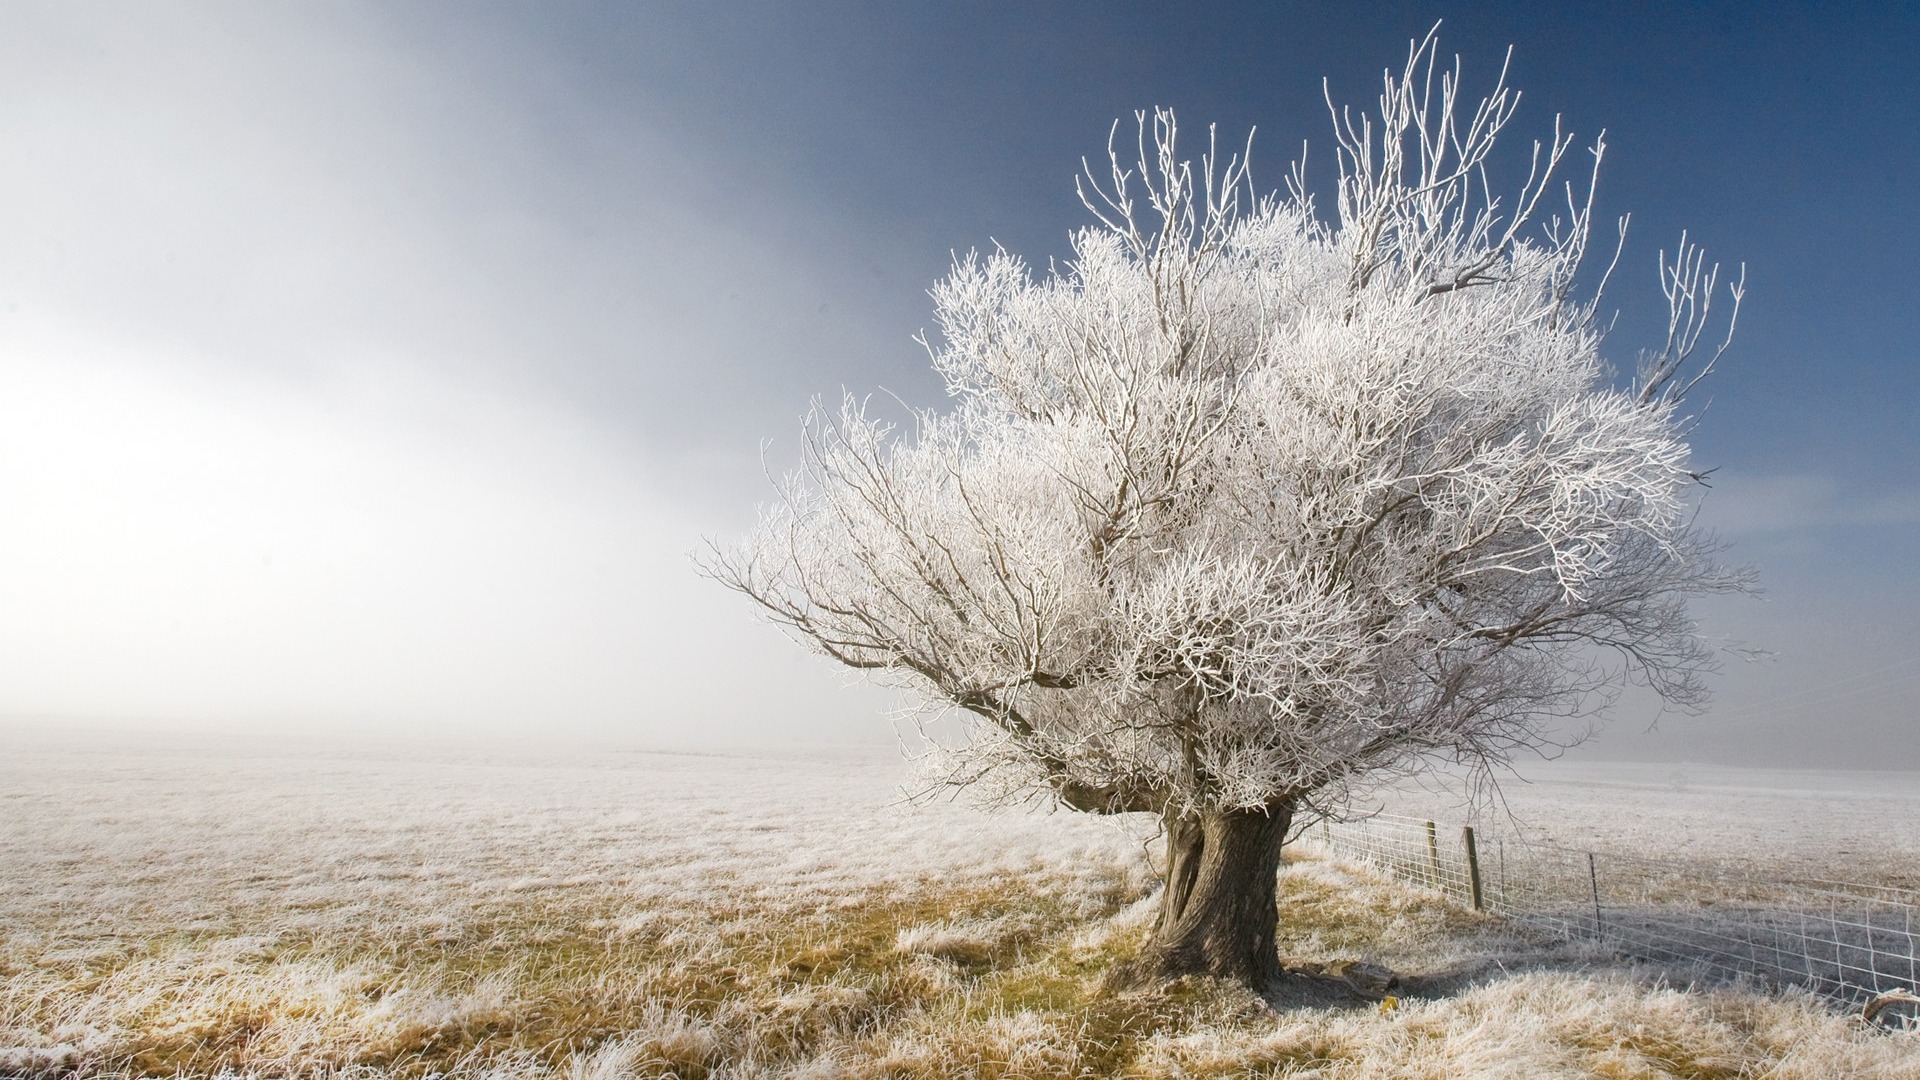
(1243, 502)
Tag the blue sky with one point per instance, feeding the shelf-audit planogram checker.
(374, 366)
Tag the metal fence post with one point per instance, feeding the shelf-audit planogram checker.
(1473, 869)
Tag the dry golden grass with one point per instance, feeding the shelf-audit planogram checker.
(280, 918)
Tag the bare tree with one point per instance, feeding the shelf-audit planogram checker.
(1242, 506)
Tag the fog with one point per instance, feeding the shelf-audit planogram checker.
(322, 412)
(370, 370)
(419, 556)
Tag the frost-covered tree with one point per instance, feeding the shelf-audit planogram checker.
(1241, 505)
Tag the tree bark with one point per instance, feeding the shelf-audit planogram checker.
(1218, 912)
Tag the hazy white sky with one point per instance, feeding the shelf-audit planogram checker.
(302, 332)
(377, 366)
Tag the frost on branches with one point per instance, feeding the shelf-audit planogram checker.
(1241, 505)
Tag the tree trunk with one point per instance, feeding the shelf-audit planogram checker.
(1218, 912)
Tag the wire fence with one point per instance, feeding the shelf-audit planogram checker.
(1845, 942)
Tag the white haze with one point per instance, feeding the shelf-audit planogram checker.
(221, 554)
(376, 368)
(287, 438)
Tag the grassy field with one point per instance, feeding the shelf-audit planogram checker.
(1860, 826)
(278, 909)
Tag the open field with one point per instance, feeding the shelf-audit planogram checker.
(279, 908)
(1860, 826)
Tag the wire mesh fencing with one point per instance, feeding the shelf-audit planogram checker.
(1843, 941)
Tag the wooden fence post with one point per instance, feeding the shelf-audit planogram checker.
(1433, 854)
(1593, 879)
(1473, 869)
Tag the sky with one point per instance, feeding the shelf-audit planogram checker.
(375, 367)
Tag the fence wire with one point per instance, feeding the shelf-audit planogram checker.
(1845, 942)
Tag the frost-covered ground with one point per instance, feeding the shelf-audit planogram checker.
(279, 907)
(312, 825)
